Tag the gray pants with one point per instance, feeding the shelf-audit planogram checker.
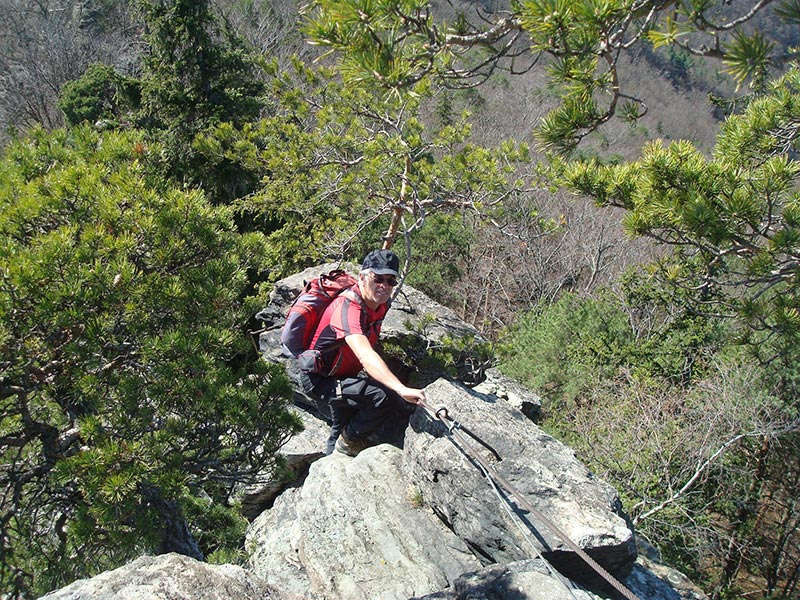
(359, 406)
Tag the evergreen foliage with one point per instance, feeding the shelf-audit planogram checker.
(197, 74)
(731, 220)
(131, 400)
(439, 248)
(571, 346)
(396, 45)
(131, 397)
(728, 221)
(100, 94)
(691, 431)
(342, 169)
(578, 343)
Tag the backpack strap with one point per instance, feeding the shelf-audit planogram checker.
(353, 294)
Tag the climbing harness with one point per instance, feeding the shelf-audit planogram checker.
(455, 433)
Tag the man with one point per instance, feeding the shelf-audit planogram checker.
(345, 339)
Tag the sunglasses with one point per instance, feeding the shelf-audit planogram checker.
(384, 279)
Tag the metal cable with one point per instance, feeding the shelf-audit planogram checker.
(442, 415)
(506, 504)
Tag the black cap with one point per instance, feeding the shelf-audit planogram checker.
(382, 262)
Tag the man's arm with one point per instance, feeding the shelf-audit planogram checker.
(376, 368)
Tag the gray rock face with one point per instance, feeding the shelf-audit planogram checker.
(368, 527)
(651, 579)
(171, 577)
(528, 580)
(535, 580)
(504, 388)
(414, 315)
(542, 469)
(328, 539)
(300, 451)
(417, 519)
(356, 530)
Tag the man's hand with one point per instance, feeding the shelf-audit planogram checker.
(412, 395)
(377, 369)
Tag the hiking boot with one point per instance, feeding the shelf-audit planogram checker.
(350, 447)
(330, 445)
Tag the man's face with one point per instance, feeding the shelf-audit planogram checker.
(376, 289)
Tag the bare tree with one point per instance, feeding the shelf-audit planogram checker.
(46, 43)
(272, 28)
(548, 244)
(704, 468)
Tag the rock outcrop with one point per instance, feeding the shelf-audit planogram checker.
(544, 471)
(299, 452)
(417, 519)
(356, 529)
(498, 386)
(171, 577)
(415, 516)
(396, 524)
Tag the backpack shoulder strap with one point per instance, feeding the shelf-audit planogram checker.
(352, 294)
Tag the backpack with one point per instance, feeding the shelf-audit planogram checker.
(305, 313)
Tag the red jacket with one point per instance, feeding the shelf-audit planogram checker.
(346, 315)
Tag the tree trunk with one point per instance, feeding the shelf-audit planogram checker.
(733, 558)
(397, 213)
(174, 532)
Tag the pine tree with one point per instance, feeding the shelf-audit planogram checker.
(132, 398)
(733, 220)
(344, 169)
(579, 42)
(197, 74)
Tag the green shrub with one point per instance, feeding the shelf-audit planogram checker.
(129, 386)
(564, 349)
(99, 94)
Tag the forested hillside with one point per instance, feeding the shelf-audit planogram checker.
(607, 189)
